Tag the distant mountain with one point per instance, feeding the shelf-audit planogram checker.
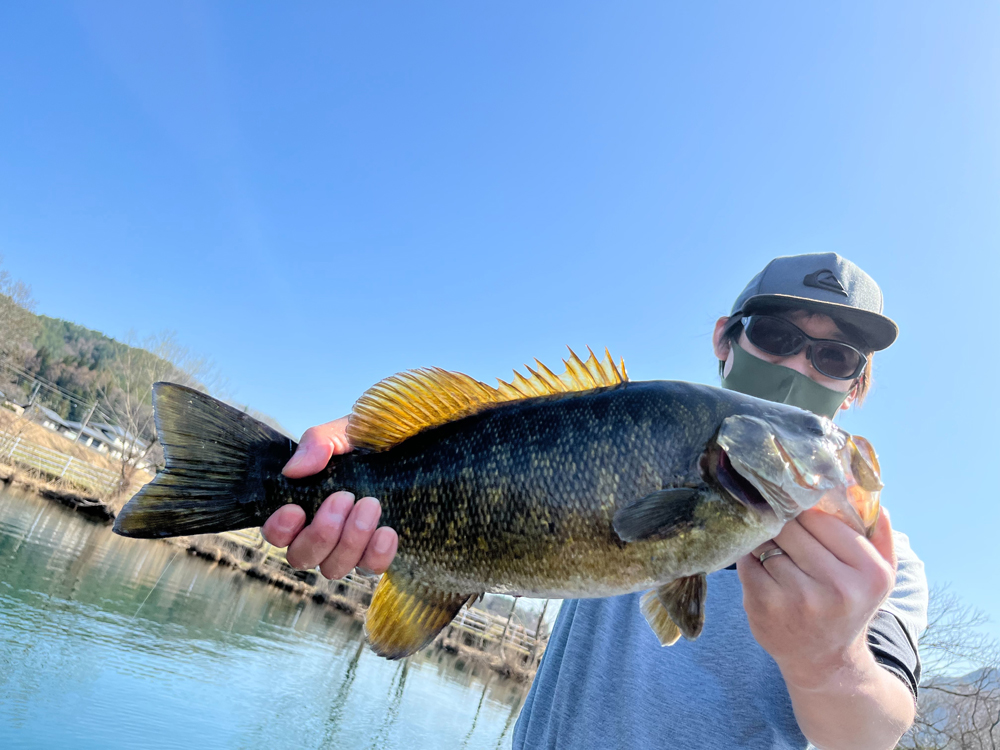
(988, 677)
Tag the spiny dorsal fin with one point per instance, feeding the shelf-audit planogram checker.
(406, 403)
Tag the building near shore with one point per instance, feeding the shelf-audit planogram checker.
(49, 419)
(108, 440)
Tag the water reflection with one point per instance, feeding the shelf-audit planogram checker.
(111, 642)
(333, 723)
(396, 691)
(475, 719)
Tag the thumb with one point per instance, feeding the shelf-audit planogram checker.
(317, 446)
(882, 538)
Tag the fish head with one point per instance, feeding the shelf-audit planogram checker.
(795, 460)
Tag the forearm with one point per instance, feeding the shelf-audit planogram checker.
(858, 705)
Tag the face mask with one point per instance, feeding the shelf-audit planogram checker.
(755, 377)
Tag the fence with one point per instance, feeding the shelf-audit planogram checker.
(15, 449)
(483, 627)
(489, 628)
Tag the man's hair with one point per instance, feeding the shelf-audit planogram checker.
(857, 338)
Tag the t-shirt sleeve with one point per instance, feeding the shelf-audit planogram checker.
(893, 650)
(894, 632)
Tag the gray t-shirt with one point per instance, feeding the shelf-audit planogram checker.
(606, 682)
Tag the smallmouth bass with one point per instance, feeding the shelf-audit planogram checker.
(580, 485)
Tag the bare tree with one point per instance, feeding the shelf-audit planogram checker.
(17, 324)
(959, 705)
(128, 394)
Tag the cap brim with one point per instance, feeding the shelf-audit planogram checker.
(878, 330)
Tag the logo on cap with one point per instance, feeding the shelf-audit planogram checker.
(825, 279)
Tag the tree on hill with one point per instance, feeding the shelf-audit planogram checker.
(17, 323)
(128, 393)
(73, 358)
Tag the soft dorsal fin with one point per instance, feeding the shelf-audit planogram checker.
(406, 403)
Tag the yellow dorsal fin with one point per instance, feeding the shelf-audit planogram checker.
(407, 403)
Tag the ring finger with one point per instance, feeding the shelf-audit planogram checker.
(779, 566)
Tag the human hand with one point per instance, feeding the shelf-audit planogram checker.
(810, 608)
(342, 534)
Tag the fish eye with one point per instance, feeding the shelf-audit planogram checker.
(815, 427)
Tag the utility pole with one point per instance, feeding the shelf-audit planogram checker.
(85, 422)
(34, 392)
(538, 629)
(507, 626)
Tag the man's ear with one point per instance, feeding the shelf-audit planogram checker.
(719, 341)
(851, 395)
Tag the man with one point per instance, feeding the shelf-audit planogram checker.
(812, 637)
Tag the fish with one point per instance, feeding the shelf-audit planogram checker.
(584, 484)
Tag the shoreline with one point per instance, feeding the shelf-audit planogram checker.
(92, 508)
(344, 596)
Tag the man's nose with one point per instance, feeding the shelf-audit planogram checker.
(800, 362)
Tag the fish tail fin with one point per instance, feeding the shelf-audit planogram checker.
(217, 460)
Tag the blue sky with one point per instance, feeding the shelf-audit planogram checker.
(320, 194)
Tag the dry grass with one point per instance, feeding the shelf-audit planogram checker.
(28, 430)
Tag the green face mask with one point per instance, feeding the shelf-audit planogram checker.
(755, 377)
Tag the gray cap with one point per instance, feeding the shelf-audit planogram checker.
(826, 283)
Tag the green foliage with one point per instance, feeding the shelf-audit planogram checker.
(75, 345)
(77, 359)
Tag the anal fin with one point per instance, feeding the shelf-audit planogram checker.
(405, 614)
(684, 600)
(656, 615)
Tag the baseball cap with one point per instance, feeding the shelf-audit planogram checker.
(822, 282)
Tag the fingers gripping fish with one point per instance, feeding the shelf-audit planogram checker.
(583, 484)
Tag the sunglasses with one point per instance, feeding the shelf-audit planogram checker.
(778, 337)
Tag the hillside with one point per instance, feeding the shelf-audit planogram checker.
(86, 368)
(77, 359)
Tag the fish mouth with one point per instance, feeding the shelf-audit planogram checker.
(717, 468)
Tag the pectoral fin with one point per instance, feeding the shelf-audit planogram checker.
(658, 516)
(405, 615)
(684, 600)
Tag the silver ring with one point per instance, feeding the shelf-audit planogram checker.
(769, 553)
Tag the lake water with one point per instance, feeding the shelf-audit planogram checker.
(108, 642)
